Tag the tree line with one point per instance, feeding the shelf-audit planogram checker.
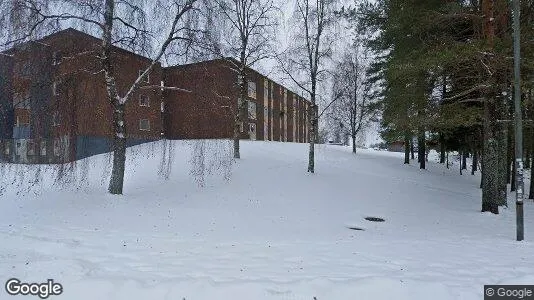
(445, 69)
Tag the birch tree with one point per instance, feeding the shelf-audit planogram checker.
(118, 23)
(352, 105)
(304, 61)
(249, 24)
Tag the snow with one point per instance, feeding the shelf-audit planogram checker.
(259, 228)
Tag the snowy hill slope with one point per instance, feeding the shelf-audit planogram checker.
(271, 231)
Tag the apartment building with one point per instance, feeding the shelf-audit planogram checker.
(54, 105)
(272, 112)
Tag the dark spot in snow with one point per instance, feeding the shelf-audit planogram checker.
(375, 219)
(356, 228)
(27, 263)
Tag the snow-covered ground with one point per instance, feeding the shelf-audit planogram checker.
(260, 228)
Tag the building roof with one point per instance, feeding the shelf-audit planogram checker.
(72, 32)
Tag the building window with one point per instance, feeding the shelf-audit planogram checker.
(8, 148)
(43, 148)
(21, 100)
(144, 124)
(55, 119)
(144, 100)
(17, 148)
(56, 58)
(30, 148)
(146, 79)
(57, 147)
(54, 88)
(251, 109)
(252, 89)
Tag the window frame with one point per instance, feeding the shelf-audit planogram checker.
(147, 78)
(42, 148)
(30, 148)
(250, 104)
(147, 100)
(147, 122)
(55, 119)
(252, 89)
(57, 147)
(54, 88)
(56, 58)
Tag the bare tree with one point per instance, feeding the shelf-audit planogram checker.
(119, 23)
(250, 24)
(352, 107)
(304, 61)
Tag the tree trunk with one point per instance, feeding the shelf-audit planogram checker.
(354, 143)
(512, 183)
(502, 142)
(240, 116)
(447, 159)
(442, 148)
(421, 147)
(474, 165)
(464, 160)
(116, 182)
(412, 148)
(527, 157)
(406, 149)
(531, 191)
(312, 136)
(481, 169)
(509, 157)
(491, 185)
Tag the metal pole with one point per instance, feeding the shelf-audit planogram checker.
(518, 123)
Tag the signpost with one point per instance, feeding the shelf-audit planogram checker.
(518, 122)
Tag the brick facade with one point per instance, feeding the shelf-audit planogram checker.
(54, 105)
(207, 108)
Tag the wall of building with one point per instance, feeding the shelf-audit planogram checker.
(208, 110)
(60, 75)
(6, 97)
(64, 112)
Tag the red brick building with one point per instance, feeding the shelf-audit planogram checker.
(274, 112)
(54, 105)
